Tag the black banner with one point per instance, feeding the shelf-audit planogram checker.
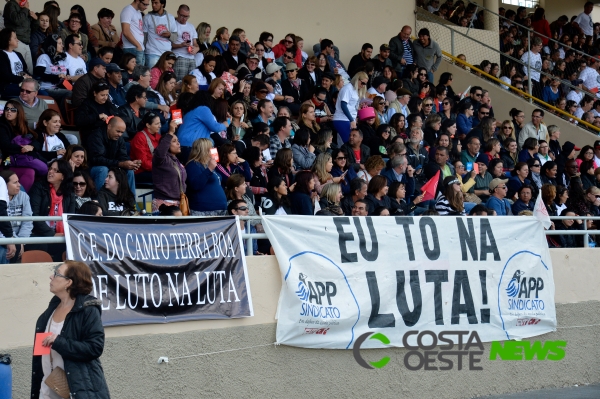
(155, 270)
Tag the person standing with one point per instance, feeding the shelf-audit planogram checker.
(186, 45)
(132, 25)
(158, 26)
(73, 319)
(18, 17)
(532, 63)
(427, 53)
(402, 50)
(584, 22)
(535, 129)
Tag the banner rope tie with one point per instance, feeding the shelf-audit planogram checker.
(214, 353)
(587, 325)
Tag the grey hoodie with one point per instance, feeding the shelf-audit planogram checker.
(20, 206)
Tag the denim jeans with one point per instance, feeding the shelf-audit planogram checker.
(151, 59)
(3, 260)
(99, 174)
(139, 55)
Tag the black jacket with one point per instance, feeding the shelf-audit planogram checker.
(51, 155)
(80, 343)
(105, 152)
(6, 71)
(131, 120)
(231, 62)
(39, 196)
(299, 95)
(87, 115)
(365, 153)
(308, 80)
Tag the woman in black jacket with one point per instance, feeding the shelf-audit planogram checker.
(13, 68)
(73, 318)
(310, 74)
(294, 87)
(95, 110)
(52, 197)
(276, 202)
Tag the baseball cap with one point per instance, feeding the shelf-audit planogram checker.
(112, 67)
(597, 144)
(384, 46)
(95, 62)
(496, 182)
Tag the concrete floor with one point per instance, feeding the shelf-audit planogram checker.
(580, 392)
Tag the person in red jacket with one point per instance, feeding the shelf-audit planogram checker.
(144, 143)
(289, 43)
(540, 24)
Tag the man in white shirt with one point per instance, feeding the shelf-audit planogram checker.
(75, 64)
(533, 59)
(158, 26)
(132, 26)
(597, 152)
(585, 105)
(590, 75)
(186, 45)
(576, 94)
(584, 20)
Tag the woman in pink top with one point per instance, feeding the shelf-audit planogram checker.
(165, 63)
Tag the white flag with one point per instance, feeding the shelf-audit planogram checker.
(540, 211)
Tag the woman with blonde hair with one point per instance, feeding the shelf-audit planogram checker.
(323, 141)
(322, 172)
(373, 166)
(204, 191)
(346, 107)
(331, 196)
(221, 40)
(203, 31)
(307, 119)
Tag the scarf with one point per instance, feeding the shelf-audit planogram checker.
(295, 83)
(56, 209)
(49, 48)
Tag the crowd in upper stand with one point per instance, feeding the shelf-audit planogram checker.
(243, 127)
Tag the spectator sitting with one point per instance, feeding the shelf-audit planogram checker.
(199, 122)
(308, 120)
(241, 208)
(450, 198)
(282, 127)
(90, 208)
(237, 190)
(303, 152)
(84, 188)
(360, 208)
(373, 167)
(529, 151)
(204, 191)
(144, 144)
(115, 197)
(107, 149)
(95, 111)
(135, 109)
(17, 17)
(52, 197)
(170, 210)
(399, 171)
(518, 178)
(535, 128)
(51, 68)
(83, 86)
(164, 64)
(168, 174)
(32, 105)
(128, 64)
(524, 203)
(367, 124)
(19, 143)
(13, 68)
(398, 195)
(498, 201)
(18, 205)
(358, 191)
(342, 169)
(301, 197)
(253, 155)
(114, 77)
(330, 199)
(166, 89)
(276, 202)
(569, 240)
(141, 76)
(230, 164)
(358, 153)
(53, 143)
(73, 28)
(464, 119)
(377, 194)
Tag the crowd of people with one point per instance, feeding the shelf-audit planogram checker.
(561, 61)
(231, 127)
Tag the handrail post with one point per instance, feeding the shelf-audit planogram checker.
(529, 66)
(452, 43)
(586, 237)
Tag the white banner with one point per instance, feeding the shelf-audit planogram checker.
(346, 276)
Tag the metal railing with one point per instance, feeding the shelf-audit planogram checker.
(248, 237)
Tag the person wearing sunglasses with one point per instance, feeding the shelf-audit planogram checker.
(239, 207)
(498, 201)
(474, 98)
(310, 74)
(84, 188)
(342, 168)
(288, 44)
(73, 27)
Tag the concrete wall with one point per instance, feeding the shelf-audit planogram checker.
(346, 23)
(503, 102)
(131, 353)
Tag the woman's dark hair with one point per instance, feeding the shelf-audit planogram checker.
(81, 278)
(124, 195)
(66, 186)
(220, 109)
(445, 78)
(5, 35)
(518, 166)
(583, 150)
(168, 210)
(493, 163)
(205, 61)
(413, 104)
(77, 9)
(514, 112)
(134, 92)
(530, 143)
(264, 36)
(546, 167)
(252, 155)
(576, 192)
(105, 50)
(224, 151)
(336, 152)
(301, 137)
(21, 126)
(585, 166)
(303, 179)
(409, 70)
(201, 98)
(283, 160)
(147, 119)
(396, 118)
(45, 116)
(462, 107)
(89, 208)
(382, 128)
(379, 210)
(105, 12)
(98, 87)
(393, 189)
(376, 184)
(125, 60)
(90, 187)
(74, 148)
(272, 186)
(446, 124)
(6, 174)
(220, 66)
(560, 190)
(524, 186)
